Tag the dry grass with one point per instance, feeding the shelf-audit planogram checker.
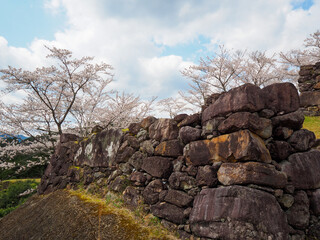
(136, 220)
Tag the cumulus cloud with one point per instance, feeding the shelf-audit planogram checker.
(131, 35)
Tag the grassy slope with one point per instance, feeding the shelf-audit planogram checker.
(76, 215)
(312, 124)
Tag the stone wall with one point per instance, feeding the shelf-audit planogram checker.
(242, 169)
(309, 87)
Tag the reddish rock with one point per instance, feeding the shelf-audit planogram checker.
(169, 212)
(164, 129)
(178, 198)
(303, 169)
(246, 120)
(234, 147)
(280, 150)
(306, 70)
(309, 98)
(315, 202)
(207, 176)
(189, 134)
(146, 123)
(171, 148)
(152, 191)
(282, 133)
(159, 167)
(236, 212)
(251, 173)
(124, 155)
(281, 97)
(246, 98)
(302, 140)
(191, 120)
(298, 215)
(136, 160)
(292, 120)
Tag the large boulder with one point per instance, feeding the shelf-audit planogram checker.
(303, 169)
(309, 98)
(246, 120)
(159, 167)
(178, 198)
(246, 98)
(164, 129)
(189, 134)
(237, 212)
(100, 150)
(251, 173)
(152, 191)
(281, 97)
(239, 146)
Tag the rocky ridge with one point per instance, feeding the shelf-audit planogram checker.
(242, 169)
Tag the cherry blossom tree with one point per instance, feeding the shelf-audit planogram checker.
(51, 93)
(173, 106)
(308, 54)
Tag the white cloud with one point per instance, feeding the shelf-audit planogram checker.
(127, 34)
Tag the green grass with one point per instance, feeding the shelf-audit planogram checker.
(312, 124)
(13, 193)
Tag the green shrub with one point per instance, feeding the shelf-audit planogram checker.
(15, 194)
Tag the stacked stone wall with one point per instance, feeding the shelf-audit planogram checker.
(242, 169)
(309, 87)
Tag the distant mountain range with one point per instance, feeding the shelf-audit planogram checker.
(19, 137)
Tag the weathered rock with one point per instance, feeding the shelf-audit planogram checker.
(134, 128)
(237, 212)
(280, 150)
(178, 118)
(119, 184)
(171, 148)
(238, 146)
(281, 97)
(306, 70)
(160, 167)
(211, 125)
(246, 120)
(191, 120)
(286, 200)
(207, 176)
(302, 140)
(147, 147)
(282, 133)
(132, 141)
(132, 197)
(315, 202)
(146, 122)
(164, 129)
(303, 169)
(124, 155)
(189, 134)
(152, 191)
(182, 181)
(292, 120)
(266, 113)
(138, 178)
(178, 198)
(298, 215)
(246, 98)
(251, 173)
(168, 211)
(136, 160)
(309, 98)
(100, 150)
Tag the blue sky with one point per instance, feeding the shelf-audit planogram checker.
(149, 42)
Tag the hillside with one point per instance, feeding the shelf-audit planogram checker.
(66, 215)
